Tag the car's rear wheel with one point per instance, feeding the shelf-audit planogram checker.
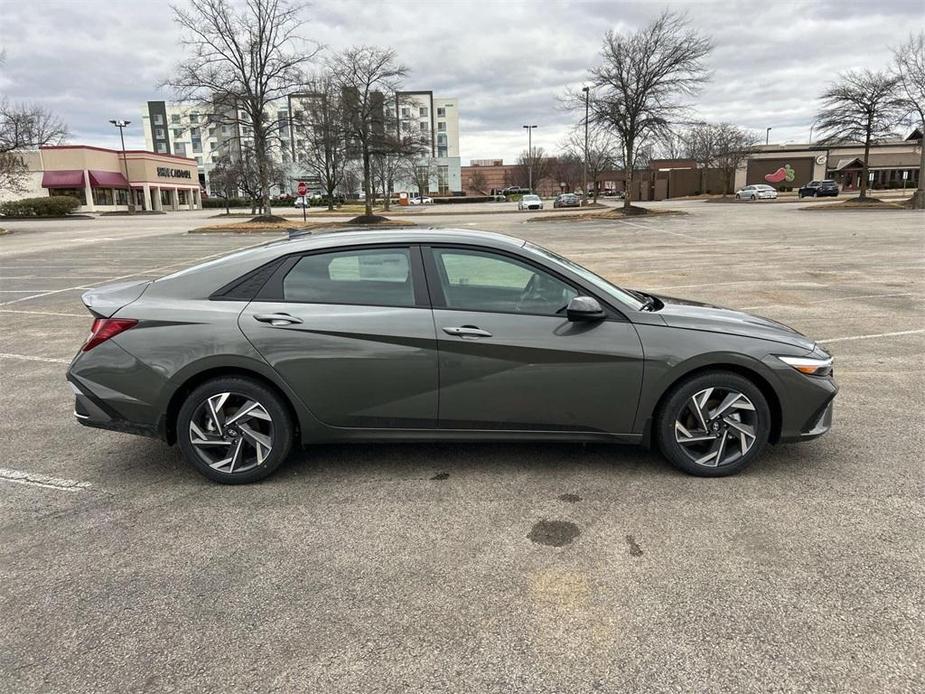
(738, 197)
(713, 424)
(234, 430)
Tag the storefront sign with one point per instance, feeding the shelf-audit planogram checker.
(165, 172)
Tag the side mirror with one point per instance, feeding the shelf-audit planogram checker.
(584, 308)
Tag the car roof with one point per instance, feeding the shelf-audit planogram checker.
(361, 236)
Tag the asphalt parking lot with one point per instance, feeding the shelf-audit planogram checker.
(410, 567)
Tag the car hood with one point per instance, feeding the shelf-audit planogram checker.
(693, 315)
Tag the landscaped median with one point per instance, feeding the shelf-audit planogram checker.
(865, 204)
(606, 213)
(280, 225)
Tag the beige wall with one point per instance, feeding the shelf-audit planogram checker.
(143, 174)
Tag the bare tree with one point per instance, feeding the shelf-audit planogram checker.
(733, 147)
(420, 170)
(541, 165)
(603, 151)
(642, 77)
(393, 151)
(320, 131)
(701, 144)
(909, 66)
(225, 178)
(567, 167)
(863, 106)
(477, 182)
(23, 127)
(368, 78)
(240, 60)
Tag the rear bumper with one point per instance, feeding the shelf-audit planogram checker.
(91, 411)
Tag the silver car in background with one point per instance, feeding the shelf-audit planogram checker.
(759, 191)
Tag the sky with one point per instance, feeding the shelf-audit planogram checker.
(508, 62)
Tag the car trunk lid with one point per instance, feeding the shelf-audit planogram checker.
(103, 302)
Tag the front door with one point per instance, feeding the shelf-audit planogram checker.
(509, 358)
(352, 333)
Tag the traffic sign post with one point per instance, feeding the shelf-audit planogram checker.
(302, 189)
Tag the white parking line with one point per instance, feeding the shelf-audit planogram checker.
(664, 231)
(43, 293)
(870, 337)
(29, 357)
(34, 479)
(45, 313)
(826, 301)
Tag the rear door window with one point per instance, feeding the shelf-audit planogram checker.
(370, 277)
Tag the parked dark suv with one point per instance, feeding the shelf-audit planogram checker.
(819, 189)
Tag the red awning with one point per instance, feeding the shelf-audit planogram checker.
(107, 179)
(63, 179)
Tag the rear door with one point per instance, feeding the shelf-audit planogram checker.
(509, 358)
(352, 332)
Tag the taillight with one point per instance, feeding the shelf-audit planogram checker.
(105, 328)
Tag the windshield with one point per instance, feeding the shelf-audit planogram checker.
(613, 290)
(531, 197)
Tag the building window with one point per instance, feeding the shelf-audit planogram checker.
(197, 146)
(121, 196)
(162, 148)
(159, 134)
(212, 131)
(177, 134)
(443, 179)
(224, 130)
(422, 112)
(441, 112)
(179, 148)
(158, 119)
(198, 161)
(194, 117)
(405, 112)
(175, 118)
(441, 151)
(425, 126)
(102, 196)
(441, 125)
(181, 196)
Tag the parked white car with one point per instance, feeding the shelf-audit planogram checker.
(530, 202)
(426, 200)
(759, 191)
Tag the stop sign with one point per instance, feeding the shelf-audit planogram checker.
(302, 189)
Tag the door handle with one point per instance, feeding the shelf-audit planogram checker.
(467, 331)
(278, 319)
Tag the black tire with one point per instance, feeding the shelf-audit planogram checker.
(281, 422)
(677, 399)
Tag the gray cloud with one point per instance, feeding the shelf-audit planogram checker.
(508, 62)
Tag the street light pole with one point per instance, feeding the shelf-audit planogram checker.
(584, 188)
(120, 124)
(767, 134)
(530, 156)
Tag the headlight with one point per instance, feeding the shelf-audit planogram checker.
(809, 365)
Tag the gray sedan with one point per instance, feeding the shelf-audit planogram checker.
(435, 335)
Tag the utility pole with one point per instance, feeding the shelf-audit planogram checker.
(767, 134)
(584, 188)
(120, 124)
(530, 156)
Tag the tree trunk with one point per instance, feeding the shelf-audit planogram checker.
(863, 187)
(367, 187)
(918, 197)
(628, 167)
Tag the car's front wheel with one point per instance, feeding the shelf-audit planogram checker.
(713, 424)
(234, 430)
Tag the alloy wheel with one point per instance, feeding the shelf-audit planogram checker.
(231, 432)
(716, 427)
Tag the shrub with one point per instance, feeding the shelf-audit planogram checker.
(54, 206)
(221, 203)
(461, 199)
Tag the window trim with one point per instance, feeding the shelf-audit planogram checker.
(438, 300)
(272, 290)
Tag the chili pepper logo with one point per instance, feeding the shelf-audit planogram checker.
(784, 173)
